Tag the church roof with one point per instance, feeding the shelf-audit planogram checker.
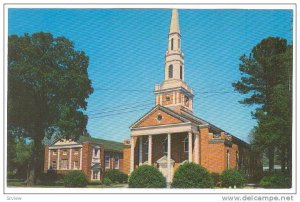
(187, 117)
(108, 144)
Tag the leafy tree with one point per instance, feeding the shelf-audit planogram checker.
(48, 86)
(266, 79)
(18, 154)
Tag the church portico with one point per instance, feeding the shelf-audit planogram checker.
(171, 148)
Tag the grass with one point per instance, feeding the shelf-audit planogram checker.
(22, 183)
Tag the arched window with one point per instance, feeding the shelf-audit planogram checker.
(165, 146)
(172, 43)
(228, 158)
(181, 72)
(178, 43)
(170, 71)
(186, 144)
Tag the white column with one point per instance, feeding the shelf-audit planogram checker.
(131, 154)
(70, 158)
(140, 150)
(80, 159)
(190, 147)
(49, 152)
(58, 154)
(169, 158)
(196, 160)
(150, 149)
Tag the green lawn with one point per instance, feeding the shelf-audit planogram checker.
(21, 183)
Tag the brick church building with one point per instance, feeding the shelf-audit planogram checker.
(170, 134)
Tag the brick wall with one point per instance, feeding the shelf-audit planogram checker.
(126, 161)
(152, 119)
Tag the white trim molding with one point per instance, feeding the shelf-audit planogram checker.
(164, 129)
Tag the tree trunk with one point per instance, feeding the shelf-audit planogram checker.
(283, 159)
(271, 158)
(36, 161)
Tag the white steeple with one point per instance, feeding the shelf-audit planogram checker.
(174, 28)
(174, 61)
(174, 92)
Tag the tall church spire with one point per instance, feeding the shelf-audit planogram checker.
(174, 63)
(174, 92)
(174, 28)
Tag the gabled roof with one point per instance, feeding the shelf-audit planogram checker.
(164, 109)
(187, 117)
(108, 144)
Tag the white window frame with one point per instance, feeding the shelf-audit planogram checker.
(53, 166)
(97, 173)
(54, 152)
(107, 155)
(117, 167)
(94, 151)
(74, 165)
(67, 164)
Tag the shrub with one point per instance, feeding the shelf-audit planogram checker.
(75, 179)
(191, 175)
(277, 180)
(106, 181)
(147, 176)
(116, 176)
(216, 178)
(47, 178)
(232, 177)
(95, 182)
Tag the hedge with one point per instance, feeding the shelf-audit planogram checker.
(278, 180)
(191, 175)
(116, 176)
(75, 179)
(146, 176)
(232, 177)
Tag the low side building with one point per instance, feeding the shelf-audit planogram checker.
(93, 156)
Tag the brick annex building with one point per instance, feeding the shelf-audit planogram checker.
(91, 155)
(165, 137)
(170, 134)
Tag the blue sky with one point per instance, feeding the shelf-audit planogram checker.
(126, 48)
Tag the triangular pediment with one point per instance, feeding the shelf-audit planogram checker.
(62, 142)
(159, 116)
